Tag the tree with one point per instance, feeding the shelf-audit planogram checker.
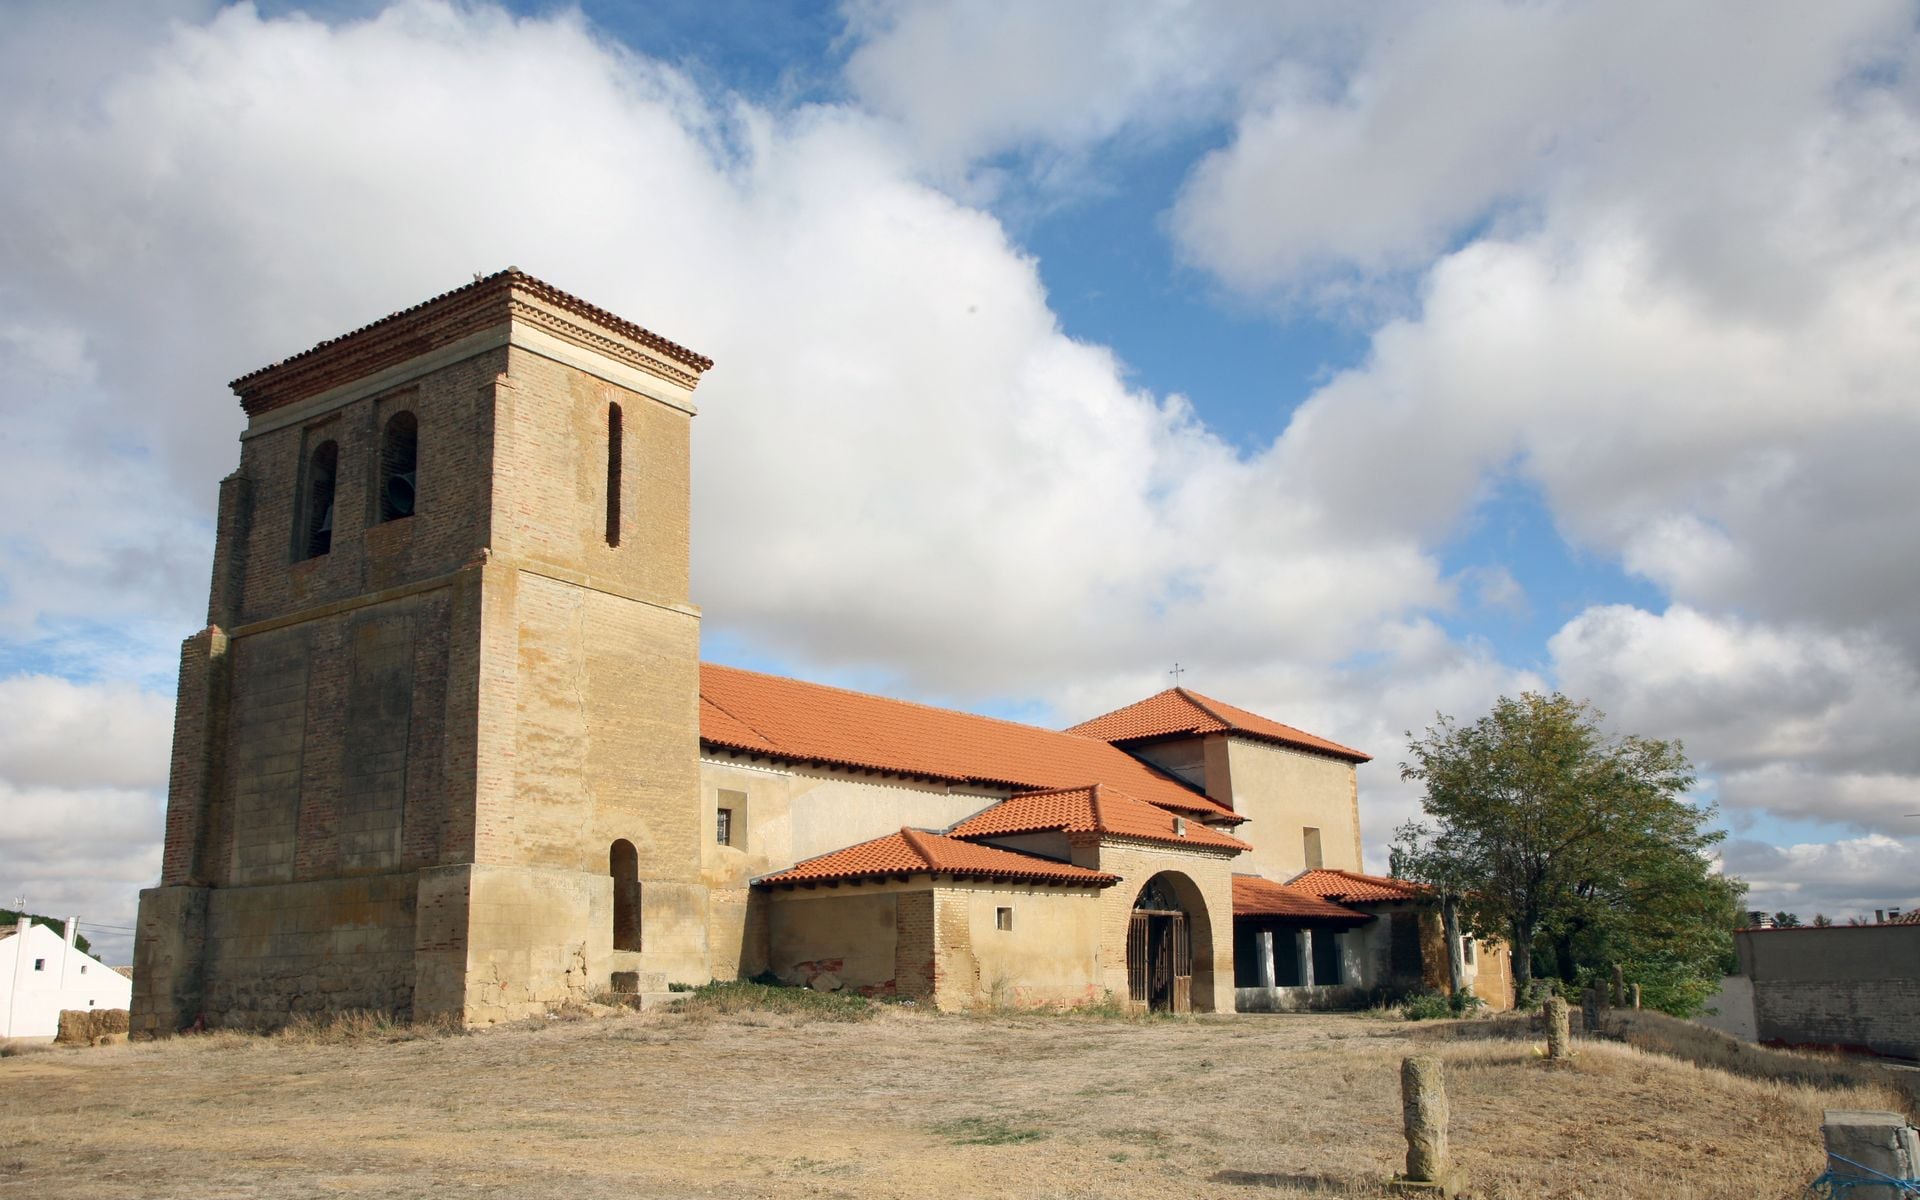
(1822, 921)
(1571, 844)
(1786, 920)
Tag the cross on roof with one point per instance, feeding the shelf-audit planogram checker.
(1177, 672)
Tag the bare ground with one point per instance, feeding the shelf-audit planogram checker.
(907, 1104)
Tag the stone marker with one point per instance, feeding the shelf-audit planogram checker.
(1636, 995)
(1558, 1037)
(1881, 1142)
(1590, 1010)
(1423, 1106)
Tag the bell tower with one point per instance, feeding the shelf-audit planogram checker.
(436, 751)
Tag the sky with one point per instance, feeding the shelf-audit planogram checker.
(1367, 361)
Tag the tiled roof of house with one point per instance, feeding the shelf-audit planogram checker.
(1257, 897)
(1094, 809)
(1354, 888)
(786, 718)
(515, 277)
(915, 852)
(1184, 711)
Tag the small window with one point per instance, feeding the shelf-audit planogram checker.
(615, 453)
(317, 516)
(399, 466)
(1003, 918)
(730, 823)
(39, 964)
(83, 968)
(1311, 840)
(1466, 949)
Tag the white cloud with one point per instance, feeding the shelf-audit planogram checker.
(1848, 878)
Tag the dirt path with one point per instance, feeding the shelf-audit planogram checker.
(905, 1105)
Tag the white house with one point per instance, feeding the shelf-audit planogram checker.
(42, 973)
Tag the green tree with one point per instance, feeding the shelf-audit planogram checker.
(1572, 845)
(1787, 920)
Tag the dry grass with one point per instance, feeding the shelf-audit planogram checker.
(903, 1103)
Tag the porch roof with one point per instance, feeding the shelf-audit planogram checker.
(1257, 897)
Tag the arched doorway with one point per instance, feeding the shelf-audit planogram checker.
(1160, 947)
(623, 863)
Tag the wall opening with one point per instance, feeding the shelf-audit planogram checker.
(1160, 949)
(614, 457)
(623, 863)
(317, 516)
(399, 466)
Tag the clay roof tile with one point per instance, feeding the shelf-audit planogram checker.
(1181, 710)
(809, 722)
(918, 852)
(1352, 887)
(1093, 808)
(1257, 897)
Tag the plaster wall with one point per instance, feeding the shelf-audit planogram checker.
(1284, 792)
(784, 813)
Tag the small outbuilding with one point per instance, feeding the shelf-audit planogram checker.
(43, 972)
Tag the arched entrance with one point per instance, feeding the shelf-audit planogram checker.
(1160, 946)
(623, 863)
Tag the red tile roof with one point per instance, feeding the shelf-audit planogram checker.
(1257, 897)
(1352, 887)
(1183, 711)
(1094, 809)
(915, 852)
(786, 718)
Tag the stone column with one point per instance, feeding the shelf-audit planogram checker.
(1266, 958)
(1303, 943)
(1559, 1040)
(1634, 991)
(1874, 1145)
(1423, 1106)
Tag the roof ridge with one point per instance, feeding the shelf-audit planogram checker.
(762, 734)
(1205, 705)
(916, 843)
(1094, 806)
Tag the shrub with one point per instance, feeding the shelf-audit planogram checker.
(732, 997)
(1426, 1006)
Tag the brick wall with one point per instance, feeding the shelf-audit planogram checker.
(1840, 986)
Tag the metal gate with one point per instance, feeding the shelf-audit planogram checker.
(1160, 961)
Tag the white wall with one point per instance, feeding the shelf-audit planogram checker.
(31, 1000)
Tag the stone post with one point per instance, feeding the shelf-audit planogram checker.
(1873, 1145)
(1558, 1038)
(1266, 958)
(1423, 1106)
(1635, 990)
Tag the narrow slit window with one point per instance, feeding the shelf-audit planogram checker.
(614, 454)
(399, 466)
(1003, 918)
(321, 471)
(723, 827)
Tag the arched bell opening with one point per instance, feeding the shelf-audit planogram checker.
(623, 863)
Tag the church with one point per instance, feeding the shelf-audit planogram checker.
(446, 748)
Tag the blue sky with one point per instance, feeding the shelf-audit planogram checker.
(1369, 362)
